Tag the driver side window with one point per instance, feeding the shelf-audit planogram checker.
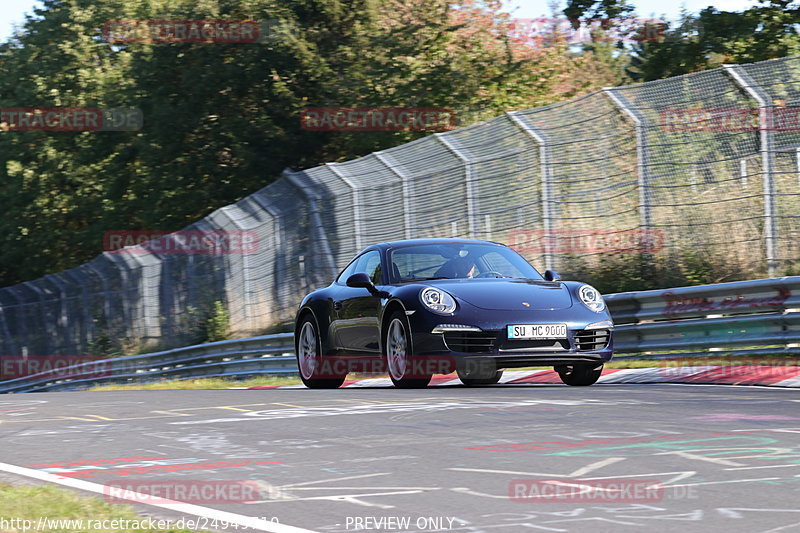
(368, 263)
(372, 266)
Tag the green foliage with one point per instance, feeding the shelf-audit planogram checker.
(704, 40)
(222, 120)
(218, 325)
(597, 9)
(713, 38)
(613, 273)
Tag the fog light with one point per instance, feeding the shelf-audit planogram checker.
(603, 324)
(441, 328)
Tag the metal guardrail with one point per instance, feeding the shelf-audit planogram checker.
(741, 318)
(268, 354)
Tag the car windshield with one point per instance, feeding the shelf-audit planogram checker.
(458, 261)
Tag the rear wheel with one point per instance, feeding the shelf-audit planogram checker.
(313, 370)
(479, 375)
(399, 357)
(579, 375)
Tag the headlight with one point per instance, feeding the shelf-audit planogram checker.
(438, 301)
(591, 298)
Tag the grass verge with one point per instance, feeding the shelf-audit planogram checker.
(221, 383)
(67, 511)
(204, 383)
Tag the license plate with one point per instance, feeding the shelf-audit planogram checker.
(537, 331)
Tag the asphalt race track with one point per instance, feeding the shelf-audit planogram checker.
(440, 459)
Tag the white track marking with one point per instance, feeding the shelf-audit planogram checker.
(372, 382)
(781, 528)
(577, 473)
(511, 375)
(292, 485)
(625, 376)
(172, 505)
(735, 512)
(764, 466)
(726, 481)
(688, 455)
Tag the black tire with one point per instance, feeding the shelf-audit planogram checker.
(478, 376)
(308, 350)
(399, 356)
(579, 375)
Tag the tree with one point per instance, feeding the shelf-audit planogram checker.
(223, 120)
(713, 38)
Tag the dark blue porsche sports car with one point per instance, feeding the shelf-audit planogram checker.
(418, 307)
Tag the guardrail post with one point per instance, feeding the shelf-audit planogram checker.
(547, 190)
(356, 203)
(765, 106)
(405, 183)
(467, 180)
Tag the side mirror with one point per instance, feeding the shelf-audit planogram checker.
(551, 275)
(360, 280)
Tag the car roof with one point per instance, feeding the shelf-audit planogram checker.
(407, 242)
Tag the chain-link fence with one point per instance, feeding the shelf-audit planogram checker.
(706, 164)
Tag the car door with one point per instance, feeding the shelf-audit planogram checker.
(357, 328)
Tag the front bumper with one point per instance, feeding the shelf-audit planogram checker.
(490, 343)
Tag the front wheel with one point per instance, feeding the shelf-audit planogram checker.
(399, 358)
(312, 366)
(579, 375)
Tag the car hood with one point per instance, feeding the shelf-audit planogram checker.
(508, 294)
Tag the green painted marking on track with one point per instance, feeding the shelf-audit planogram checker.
(670, 445)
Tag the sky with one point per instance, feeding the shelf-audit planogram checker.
(13, 11)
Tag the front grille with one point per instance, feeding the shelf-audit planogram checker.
(591, 340)
(549, 345)
(470, 341)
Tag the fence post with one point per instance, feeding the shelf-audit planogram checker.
(318, 228)
(764, 101)
(467, 180)
(62, 323)
(7, 344)
(406, 188)
(247, 301)
(547, 190)
(44, 330)
(642, 160)
(356, 202)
